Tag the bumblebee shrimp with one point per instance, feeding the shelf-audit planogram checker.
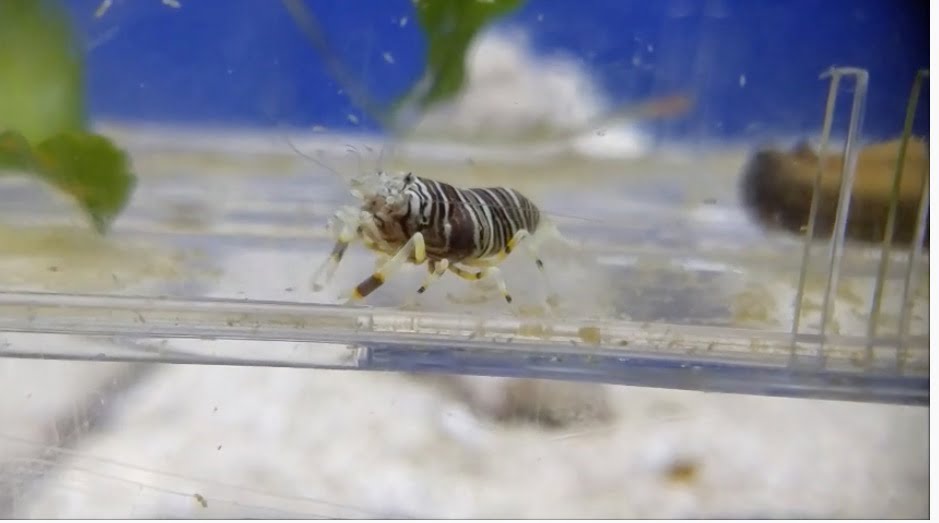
(409, 219)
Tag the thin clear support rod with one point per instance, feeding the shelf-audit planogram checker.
(920, 235)
(906, 304)
(813, 209)
(879, 283)
(848, 171)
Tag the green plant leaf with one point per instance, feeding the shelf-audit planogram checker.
(86, 166)
(42, 112)
(15, 153)
(41, 70)
(449, 27)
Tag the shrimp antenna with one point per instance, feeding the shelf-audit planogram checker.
(312, 159)
(381, 154)
(378, 165)
(309, 25)
(352, 150)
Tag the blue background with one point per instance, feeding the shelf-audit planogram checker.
(245, 62)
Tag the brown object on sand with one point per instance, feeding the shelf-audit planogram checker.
(776, 188)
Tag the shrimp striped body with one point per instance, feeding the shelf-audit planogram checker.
(460, 224)
(412, 219)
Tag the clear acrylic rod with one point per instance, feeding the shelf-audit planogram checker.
(836, 245)
(813, 209)
(128, 328)
(906, 305)
(880, 282)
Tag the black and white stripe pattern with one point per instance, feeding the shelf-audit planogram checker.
(465, 223)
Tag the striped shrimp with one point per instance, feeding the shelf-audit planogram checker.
(408, 219)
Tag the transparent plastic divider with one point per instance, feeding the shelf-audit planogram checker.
(612, 351)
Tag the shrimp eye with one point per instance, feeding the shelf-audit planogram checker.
(408, 178)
